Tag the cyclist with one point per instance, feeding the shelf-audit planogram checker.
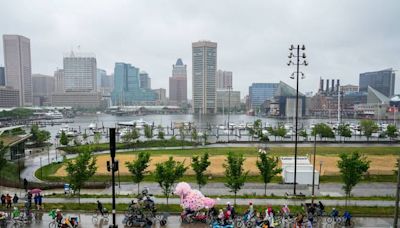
(249, 213)
(285, 210)
(334, 213)
(59, 216)
(230, 208)
(100, 207)
(347, 217)
(299, 219)
(16, 213)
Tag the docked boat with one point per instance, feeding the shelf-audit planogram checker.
(53, 115)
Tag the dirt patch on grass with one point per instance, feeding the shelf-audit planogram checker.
(382, 165)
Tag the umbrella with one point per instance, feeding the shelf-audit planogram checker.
(35, 191)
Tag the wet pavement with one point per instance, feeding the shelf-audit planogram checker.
(173, 221)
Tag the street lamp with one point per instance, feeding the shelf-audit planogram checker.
(320, 172)
(299, 54)
(229, 109)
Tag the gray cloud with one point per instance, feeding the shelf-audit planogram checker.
(343, 38)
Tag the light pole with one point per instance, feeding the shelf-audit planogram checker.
(320, 172)
(299, 54)
(229, 109)
(313, 171)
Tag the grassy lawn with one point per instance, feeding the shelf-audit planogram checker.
(10, 172)
(89, 207)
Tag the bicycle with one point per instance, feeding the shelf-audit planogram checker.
(98, 214)
(342, 222)
(53, 224)
(332, 219)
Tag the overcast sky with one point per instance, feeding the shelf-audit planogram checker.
(343, 38)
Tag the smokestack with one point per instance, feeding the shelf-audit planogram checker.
(327, 86)
(321, 85)
(337, 84)
(333, 85)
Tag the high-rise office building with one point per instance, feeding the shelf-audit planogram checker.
(204, 63)
(42, 89)
(178, 84)
(99, 75)
(224, 79)
(9, 97)
(2, 77)
(161, 96)
(80, 73)
(260, 92)
(127, 89)
(382, 81)
(59, 81)
(145, 80)
(18, 69)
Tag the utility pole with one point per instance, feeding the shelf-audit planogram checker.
(113, 167)
(396, 211)
(297, 56)
(313, 171)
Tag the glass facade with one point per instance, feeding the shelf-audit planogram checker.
(127, 89)
(260, 92)
(383, 81)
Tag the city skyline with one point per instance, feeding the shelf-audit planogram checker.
(339, 50)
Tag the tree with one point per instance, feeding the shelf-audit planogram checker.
(97, 137)
(279, 131)
(303, 133)
(391, 131)
(195, 136)
(138, 167)
(167, 174)
(268, 167)
(148, 131)
(344, 130)
(182, 135)
(131, 136)
(234, 173)
(323, 130)
(352, 167)
(39, 136)
(205, 137)
(81, 170)
(199, 166)
(368, 127)
(64, 139)
(3, 150)
(161, 132)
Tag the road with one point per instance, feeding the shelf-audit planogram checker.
(174, 222)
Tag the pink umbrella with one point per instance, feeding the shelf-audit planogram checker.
(35, 191)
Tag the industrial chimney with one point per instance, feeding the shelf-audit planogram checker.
(327, 86)
(337, 84)
(321, 85)
(333, 85)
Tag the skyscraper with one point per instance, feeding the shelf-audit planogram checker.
(99, 75)
(59, 81)
(18, 70)
(80, 73)
(204, 61)
(178, 84)
(145, 80)
(127, 89)
(224, 79)
(382, 81)
(42, 89)
(2, 77)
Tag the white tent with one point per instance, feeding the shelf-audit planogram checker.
(304, 171)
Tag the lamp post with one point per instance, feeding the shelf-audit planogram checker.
(313, 171)
(299, 54)
(229, 109)
(320, 172)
